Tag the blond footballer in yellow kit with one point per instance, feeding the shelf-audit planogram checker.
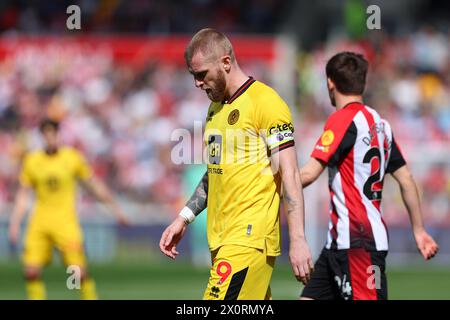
(240, 189)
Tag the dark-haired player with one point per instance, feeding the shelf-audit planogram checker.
(52, 174)
(359, 149)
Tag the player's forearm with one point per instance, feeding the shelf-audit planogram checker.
(100, 191)
(111, 203)
(411, 199)
(311, 171)
(103, 194)
(20, 206)
(294, 204)
(112, 206)
(199, 199)
(17, 215)
(306, 178)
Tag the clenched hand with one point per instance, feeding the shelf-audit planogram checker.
(426, 244)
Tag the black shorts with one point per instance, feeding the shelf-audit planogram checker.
(352, 274)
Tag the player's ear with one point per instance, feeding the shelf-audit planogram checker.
(330, 84)
(226, 63)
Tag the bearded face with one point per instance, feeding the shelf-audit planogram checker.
(215, 89)
(209, 76)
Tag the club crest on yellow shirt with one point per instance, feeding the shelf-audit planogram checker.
(233, 117)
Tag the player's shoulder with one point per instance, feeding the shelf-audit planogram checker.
(344, 116)
(33, 159)
(375, 114)
(265, 100)
(261, 92)
(70, 152)
(33, 155)
(379, 119)
(346, 112)
(384, 121)
(386, 126)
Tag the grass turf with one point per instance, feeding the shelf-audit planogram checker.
(179, 280)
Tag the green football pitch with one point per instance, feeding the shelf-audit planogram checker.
(171, 280)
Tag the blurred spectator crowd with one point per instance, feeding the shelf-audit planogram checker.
(143, 16)
(119, 114)
(120, 117)
(408, 82)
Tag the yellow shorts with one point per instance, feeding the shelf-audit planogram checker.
(239, 273)
(41, 239)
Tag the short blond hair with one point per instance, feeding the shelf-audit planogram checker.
(211, 43)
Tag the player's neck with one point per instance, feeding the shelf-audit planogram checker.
(51, 150)
(236, 79)
(342, 101)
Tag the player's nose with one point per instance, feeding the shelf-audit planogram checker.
(198, 83)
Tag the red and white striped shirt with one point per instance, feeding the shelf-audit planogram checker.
(359, 149)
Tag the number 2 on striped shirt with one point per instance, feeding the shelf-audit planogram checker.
(371, 194)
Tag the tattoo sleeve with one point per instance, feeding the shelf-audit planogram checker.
(198, 201)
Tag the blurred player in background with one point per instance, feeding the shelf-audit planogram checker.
(359, 149)
(243, 226)
(52, 174)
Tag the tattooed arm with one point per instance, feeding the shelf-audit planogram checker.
(299, 253)
(174, 233)
(198, 201)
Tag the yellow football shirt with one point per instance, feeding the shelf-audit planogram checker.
(243, 191)
(54, 181)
